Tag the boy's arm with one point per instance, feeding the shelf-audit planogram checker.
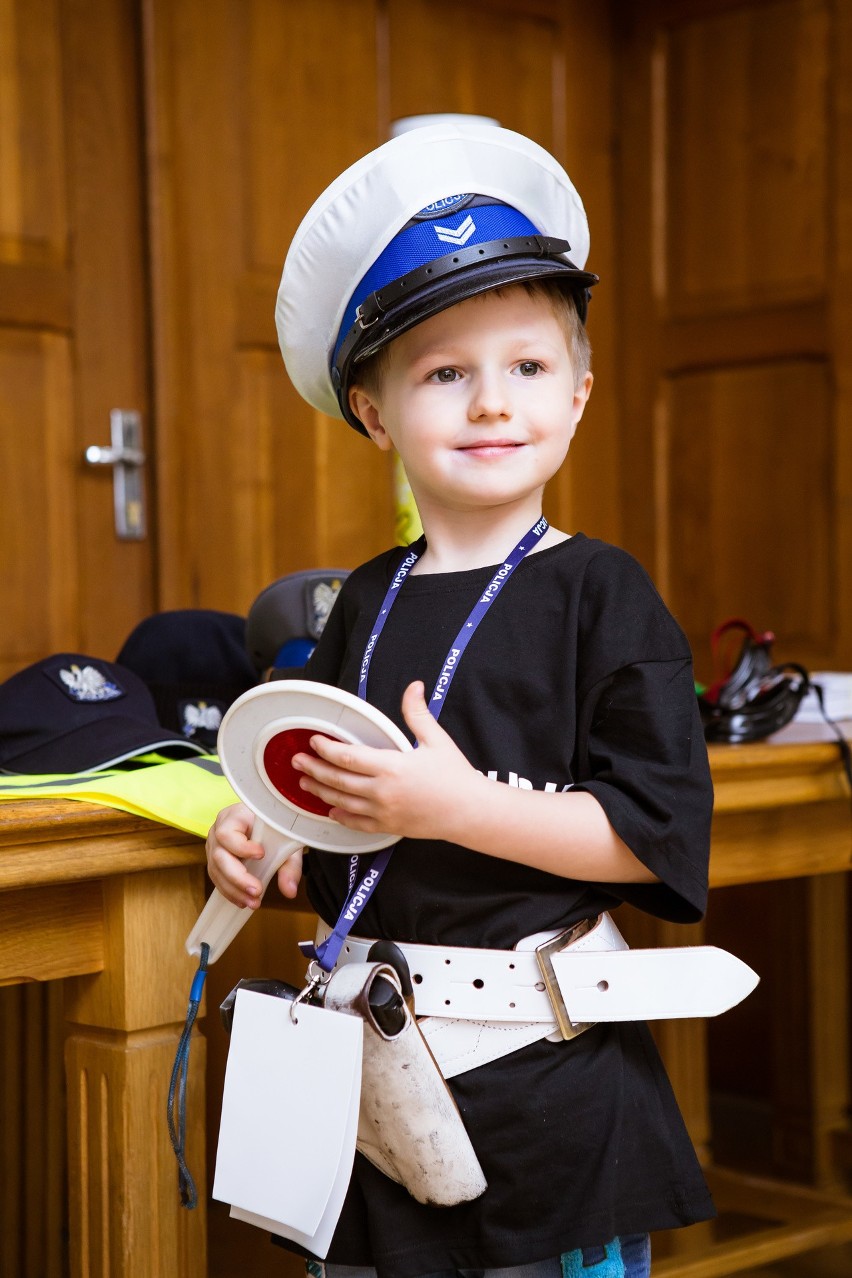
(434, 793)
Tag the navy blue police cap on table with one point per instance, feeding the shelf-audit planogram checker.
(194, 663)
(75, 713)
(437, 215)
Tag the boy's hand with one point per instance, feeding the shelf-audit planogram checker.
(413, 794)
(229, 845)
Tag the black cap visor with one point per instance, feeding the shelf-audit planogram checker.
(103, 743)
(404, 302)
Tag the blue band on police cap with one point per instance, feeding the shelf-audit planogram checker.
(434, 232)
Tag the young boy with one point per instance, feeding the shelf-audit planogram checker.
(435, 298)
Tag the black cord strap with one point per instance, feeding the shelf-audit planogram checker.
(176, 1115)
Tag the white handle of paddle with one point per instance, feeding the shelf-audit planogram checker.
(220, 920)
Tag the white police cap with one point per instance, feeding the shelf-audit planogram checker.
(436, 215)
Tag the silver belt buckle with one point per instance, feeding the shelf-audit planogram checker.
(567, 1028)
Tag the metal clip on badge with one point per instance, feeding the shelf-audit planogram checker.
(312, 993)
(258, 737)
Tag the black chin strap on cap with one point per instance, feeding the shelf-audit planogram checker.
(421, 293)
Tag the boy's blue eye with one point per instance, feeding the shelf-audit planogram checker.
(529, 368)
(444, 375)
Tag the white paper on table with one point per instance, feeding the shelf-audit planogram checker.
(289, 1116)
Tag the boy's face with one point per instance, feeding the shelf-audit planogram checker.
(479, 402)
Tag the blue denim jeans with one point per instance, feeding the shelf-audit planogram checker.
(626, 1257)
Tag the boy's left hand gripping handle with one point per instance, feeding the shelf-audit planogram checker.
(220, 921)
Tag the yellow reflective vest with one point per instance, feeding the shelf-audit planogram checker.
(185, 793)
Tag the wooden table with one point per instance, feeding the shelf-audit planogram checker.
(103, 900)
(782, 813)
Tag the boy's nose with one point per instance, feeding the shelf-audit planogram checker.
(490, 397)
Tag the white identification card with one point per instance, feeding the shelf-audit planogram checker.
(289, 1117)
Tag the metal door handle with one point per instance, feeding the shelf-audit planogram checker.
(96, 456)
(127, 458)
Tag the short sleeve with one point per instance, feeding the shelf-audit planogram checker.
(640, 744)
(645, 761)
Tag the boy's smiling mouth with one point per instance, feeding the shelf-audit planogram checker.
(491, 447)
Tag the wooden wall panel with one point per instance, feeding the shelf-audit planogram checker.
(745, 485)
(517, 63)
(840, 319)
(194, 203)
(734, 167)
(333, 492)
(307, 105)
(508, 65)
(295, 102)
(110, 319)
(33, 215)
(37, 449)
(746, 182)
(304, 487)
(73, 322)
(37, 584)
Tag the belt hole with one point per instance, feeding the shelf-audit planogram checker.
(417, 978)
(512, 1004)
(448, 961)
(478, 984)
(540, 986)
(446, 1002)
(511, 967)
(603, 986)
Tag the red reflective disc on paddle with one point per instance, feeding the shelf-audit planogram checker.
(278, 761)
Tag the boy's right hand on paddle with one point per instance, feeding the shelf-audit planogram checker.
(230, 845)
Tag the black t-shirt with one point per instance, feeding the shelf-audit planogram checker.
(577, 677)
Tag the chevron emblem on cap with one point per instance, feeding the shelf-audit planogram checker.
(458, 235)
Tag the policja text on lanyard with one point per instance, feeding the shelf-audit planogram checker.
(326, 953)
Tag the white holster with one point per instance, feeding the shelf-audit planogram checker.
(409, 1124)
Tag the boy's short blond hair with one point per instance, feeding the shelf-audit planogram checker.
(370, 374)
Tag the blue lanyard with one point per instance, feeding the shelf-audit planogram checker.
(326, 953)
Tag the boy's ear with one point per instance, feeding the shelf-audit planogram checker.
(581, 397)
(368, 413)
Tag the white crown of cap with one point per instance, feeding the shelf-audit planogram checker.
(356, 217)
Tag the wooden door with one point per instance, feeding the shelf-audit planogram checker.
(73, 323)
(735, 241)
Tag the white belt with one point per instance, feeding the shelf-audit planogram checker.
(482, 1004)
